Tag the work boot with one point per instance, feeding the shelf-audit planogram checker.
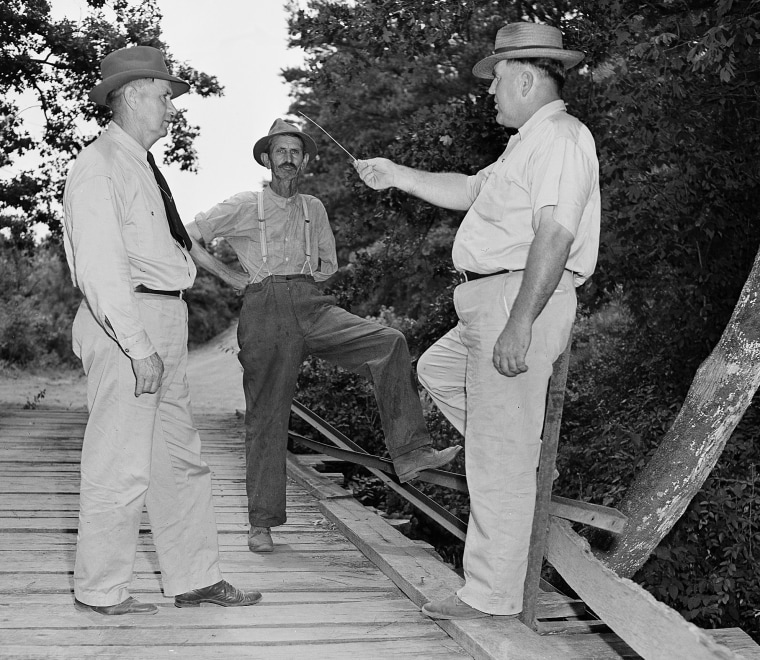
(260, 540)
(409, 465)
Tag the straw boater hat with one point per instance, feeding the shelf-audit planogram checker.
(281, 127)
(127, 64)
(519, 40)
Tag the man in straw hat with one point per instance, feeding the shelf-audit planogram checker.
(128, 253)
(285, 244)
(530, 235)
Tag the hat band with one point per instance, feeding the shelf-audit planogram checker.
(507, 49)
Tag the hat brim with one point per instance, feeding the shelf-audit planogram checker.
(262, 145)
(101, 90)
(570, 58)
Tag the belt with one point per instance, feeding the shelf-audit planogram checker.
(141, 288)
(469, 276)
(287, 278)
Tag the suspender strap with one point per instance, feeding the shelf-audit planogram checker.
(307, 236)
(263, 234)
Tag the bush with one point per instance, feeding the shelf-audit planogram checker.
(38, 303)
(37, 307)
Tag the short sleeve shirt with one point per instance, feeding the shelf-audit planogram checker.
(237, 221)
(550, 161)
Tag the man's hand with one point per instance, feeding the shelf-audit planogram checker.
(377, 173)
(511, 348)
(148, 374)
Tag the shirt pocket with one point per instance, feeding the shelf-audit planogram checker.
(152, 228)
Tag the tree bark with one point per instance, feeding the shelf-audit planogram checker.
(721, 391)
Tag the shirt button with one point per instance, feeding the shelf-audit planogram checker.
(126, 350)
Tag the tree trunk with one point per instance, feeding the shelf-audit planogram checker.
(720, 393)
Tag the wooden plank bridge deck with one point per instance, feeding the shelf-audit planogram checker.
(342, 582)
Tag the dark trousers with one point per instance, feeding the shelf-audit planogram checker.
(282, 322)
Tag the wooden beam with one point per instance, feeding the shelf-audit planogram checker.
(649, 627)
(593, 515)
(544, 479)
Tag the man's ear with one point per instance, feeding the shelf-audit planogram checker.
(305, 161)
(527, 80)
(266, 161)
(130, 96)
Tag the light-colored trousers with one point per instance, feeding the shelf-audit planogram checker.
(141, 451)
(501, 419)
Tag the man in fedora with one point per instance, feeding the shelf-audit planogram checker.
(128, 254)
(285, 244)
(529, 237)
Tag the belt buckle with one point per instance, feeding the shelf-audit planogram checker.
(182, 294)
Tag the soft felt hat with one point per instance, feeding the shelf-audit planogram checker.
(281, 127)
(127, 64)
(525, 40)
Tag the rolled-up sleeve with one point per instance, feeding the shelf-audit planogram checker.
(101, 263)
(328, 258)
(228, 218)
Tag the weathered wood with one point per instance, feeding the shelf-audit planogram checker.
(651, 628)
(594, 515)
(320, 593)
(423, 577)
(351, 609)
(367, 614)
(265, 581)
(544, 481)
(217, 650)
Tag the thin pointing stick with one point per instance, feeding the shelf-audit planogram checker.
(330, 136)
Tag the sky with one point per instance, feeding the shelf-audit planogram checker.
(244, 44)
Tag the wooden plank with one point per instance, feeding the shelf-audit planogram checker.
(406, 648)
(369, 613)
(287, 540)
(256, 632)
(651, 628)
(737, 640)
(265, 581)
(423, 577)
(595, 515)
(60, 600)
(55, 561)
(544, 481)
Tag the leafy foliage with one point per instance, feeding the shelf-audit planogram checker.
(670, 92)
(48, 66)
(38, 304)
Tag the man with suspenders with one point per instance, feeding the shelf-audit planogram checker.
(285, 244)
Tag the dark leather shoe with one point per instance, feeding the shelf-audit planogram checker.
(409, 465)
(129, 606)
(222, 593)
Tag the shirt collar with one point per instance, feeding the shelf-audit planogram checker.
(281, 202)
(540, 115)
(122, 138)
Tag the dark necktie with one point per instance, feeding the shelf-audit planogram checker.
(179, 233)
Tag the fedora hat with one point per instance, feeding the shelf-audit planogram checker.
(127, 64)
(520, 40)
(281, 127)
